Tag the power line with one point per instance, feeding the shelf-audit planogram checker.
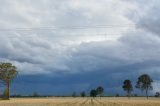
(69, 27)
(60, 37)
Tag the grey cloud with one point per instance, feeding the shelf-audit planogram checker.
(146, 16)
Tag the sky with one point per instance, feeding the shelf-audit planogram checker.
(65, 46)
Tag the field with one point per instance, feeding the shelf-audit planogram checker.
(68, 101)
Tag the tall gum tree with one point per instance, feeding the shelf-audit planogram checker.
(144, 83)
(127, 86)
(7, 73)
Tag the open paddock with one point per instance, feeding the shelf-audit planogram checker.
(87, 101)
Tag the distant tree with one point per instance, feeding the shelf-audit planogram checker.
(83, 94)
(157, 94)
(117, 95)
(127, 86)
(135, 95)
(7, 73)
(100, 91)
(74, 94)
(16, 95)
(93, 93)
(35, 94)
(144, 83)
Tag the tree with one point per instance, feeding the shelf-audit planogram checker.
(35, 94)
(144, 83)
(74, 94)
(93, 93)
(7, 73)
(83, 94)
(135, 95)
(117, 95)
(127, 86)
(157, 94)
(100, 91)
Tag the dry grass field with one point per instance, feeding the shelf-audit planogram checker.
(66, 101)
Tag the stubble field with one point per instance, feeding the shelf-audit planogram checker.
(68, 101)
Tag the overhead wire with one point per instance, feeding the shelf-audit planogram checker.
(71, 28)
(68, 27)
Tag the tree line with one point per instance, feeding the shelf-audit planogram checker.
(93, 93)
(144, 82)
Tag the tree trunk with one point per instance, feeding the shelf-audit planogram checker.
(8, 91)
(147, 94)
(128, 94)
